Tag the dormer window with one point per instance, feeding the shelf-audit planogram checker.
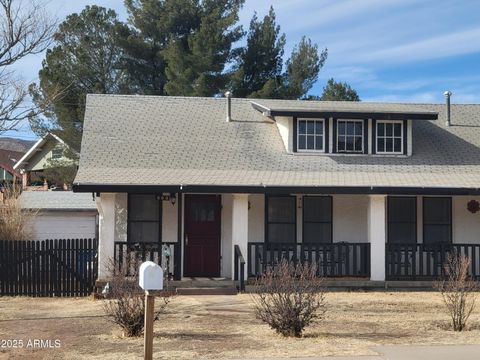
(311, 135)
(389, 137)
(350, 136)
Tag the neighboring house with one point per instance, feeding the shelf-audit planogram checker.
(7, 160)
(370, 190)
(11, 150)
(61, 214)
(33, 163)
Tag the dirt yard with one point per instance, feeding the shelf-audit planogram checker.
(225, 327)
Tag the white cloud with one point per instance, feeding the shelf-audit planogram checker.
(458, 43)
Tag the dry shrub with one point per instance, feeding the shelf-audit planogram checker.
(125, 302)
(289, 298)
(458, 290)
(15, 222)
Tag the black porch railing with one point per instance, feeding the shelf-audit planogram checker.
(128, 255)
(332, 260)
(426, 261)
(239, 273)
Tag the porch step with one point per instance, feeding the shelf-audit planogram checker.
(207, 291)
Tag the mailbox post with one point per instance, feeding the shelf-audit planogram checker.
(151, 278)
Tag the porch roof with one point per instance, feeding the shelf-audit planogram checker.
(152, 143)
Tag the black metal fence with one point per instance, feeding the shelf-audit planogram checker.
(65, 267)
(128, 255)
(332, 260)
(426, 261)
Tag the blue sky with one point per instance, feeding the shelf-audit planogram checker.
(388, 50)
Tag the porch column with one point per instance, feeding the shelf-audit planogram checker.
(240, 228)
(106, 211)
(377, 236)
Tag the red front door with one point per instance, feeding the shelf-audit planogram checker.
(202, 235)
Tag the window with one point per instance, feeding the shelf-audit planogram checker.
(57, 152)
(402, 220)
(310, 135)
(317, 219)
(144, 215)
(389, 137)
(281, 219)
(350, 136)
(437, 220)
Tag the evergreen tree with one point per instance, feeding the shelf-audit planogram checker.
(196, 63)
(85, 59)
(303, 68)
(259, 68)
(152, 24)
(338, 91)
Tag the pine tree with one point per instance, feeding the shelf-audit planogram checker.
(85, 59)
(195, 66)
(259, 68)
(338, 91)
(303, 68)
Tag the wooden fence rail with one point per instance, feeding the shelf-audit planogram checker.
(61, 267)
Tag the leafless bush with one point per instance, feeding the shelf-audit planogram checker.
(458, 290)
(15, 223)
(289, 298)
(125, 302)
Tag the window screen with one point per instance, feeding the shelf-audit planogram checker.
(402, 220)
(317, 219)
(144, 215)
(281, 217)
(437, 220)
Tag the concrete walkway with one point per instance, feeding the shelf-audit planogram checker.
(407, 352)
(410, 352)
(437, 352)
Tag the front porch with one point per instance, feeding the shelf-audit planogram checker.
(235, 236)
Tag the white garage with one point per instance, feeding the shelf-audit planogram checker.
(61, 214)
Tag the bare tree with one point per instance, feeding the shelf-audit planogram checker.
(25, 29)
(458, 290)
(289, 298)
(124, 305)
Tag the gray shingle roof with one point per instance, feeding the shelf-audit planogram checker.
(57, 200)
(148, 140)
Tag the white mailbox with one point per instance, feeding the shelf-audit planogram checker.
(151, 276)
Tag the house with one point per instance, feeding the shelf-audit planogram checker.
(378, 191)
(33, 163)
(61, 214)
(11, 150)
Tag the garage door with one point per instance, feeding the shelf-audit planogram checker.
(65, 226)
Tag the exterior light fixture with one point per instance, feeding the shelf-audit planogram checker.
(173, 198)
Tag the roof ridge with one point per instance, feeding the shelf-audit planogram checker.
(218, 98)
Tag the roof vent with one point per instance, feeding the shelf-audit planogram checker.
(447, 94)
(228, 95)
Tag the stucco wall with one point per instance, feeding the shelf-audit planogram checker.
(169, 221)
(466, 226)
(256, 215)
(350, 218)
(226, 241)
(284, 125)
